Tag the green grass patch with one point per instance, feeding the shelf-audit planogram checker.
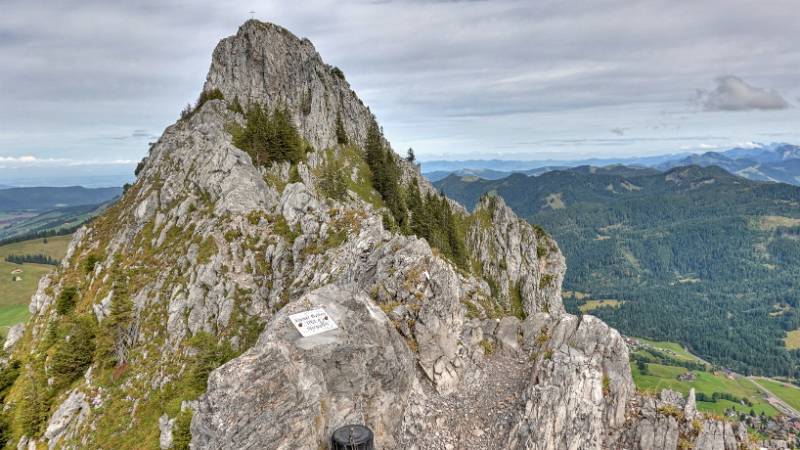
(792, 340)
(594, 304)
(517, 305)
(665, 377)
(12, 315)
(673, 349)
(785, 392)
(17, 288)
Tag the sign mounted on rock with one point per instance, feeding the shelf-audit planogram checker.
(310, 323)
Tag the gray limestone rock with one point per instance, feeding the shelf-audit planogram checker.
(165, 427)
(690, 408)
(13, 336)
(69, 415)
(266, 64)
(102, 309)
(508, 333)
(290, 391)
(525, 264)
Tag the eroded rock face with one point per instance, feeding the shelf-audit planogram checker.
(266, 64)
(292, 392)
(524, 263)
(580, 388)
(13, 336)
(671, 422)
(165, 426)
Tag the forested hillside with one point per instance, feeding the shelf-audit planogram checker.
(697, 255)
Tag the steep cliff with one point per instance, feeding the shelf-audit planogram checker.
(167, 324)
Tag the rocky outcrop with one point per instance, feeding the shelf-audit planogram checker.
(13, 336)
(293, 392)
(580, 386)
(670, 422)
(266, 64)
(65, 420)
(200, 264)
(165, 427)
(520, 261)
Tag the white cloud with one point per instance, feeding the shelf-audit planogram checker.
(34, 161)
(734, 94)
(445, 77)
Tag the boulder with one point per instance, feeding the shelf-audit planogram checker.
(290, 391)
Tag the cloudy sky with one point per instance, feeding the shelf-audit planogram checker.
(89, 83)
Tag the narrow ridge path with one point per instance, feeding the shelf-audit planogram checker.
(481, 413)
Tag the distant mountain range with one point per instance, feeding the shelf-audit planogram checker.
(696, 254)
(763, 162)
(47, 210)
(40, 199)
(490, 174)
(509, 166)
(780, 163)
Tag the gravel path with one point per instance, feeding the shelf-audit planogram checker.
(481, 413)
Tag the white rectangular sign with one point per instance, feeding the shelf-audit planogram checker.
(312, 322)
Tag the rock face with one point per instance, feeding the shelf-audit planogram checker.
(69, 415)
(523, 262)
(13, 336)
(288, 72)
(186, 285)
(664, 424)
(362, 371)
(581, 387)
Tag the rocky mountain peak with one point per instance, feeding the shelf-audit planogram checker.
(266, 64)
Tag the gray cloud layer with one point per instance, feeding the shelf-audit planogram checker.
(450, 78)
(733, 94)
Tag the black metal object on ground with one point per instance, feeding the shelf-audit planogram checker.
(352, 437)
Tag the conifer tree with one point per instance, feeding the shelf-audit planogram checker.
(410, 157)
(341, 134)
(269, 138)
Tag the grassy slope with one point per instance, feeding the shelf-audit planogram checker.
(672, 348)
(664, 377)
(788, 394)
(594, 304)
(15, 295)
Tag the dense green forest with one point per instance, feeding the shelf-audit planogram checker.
(38, 258)
(423, 214)
(698, 256)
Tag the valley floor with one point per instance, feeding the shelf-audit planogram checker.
(682, 371)
(18, 282)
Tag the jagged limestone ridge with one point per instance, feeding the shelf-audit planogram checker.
(203, 258)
